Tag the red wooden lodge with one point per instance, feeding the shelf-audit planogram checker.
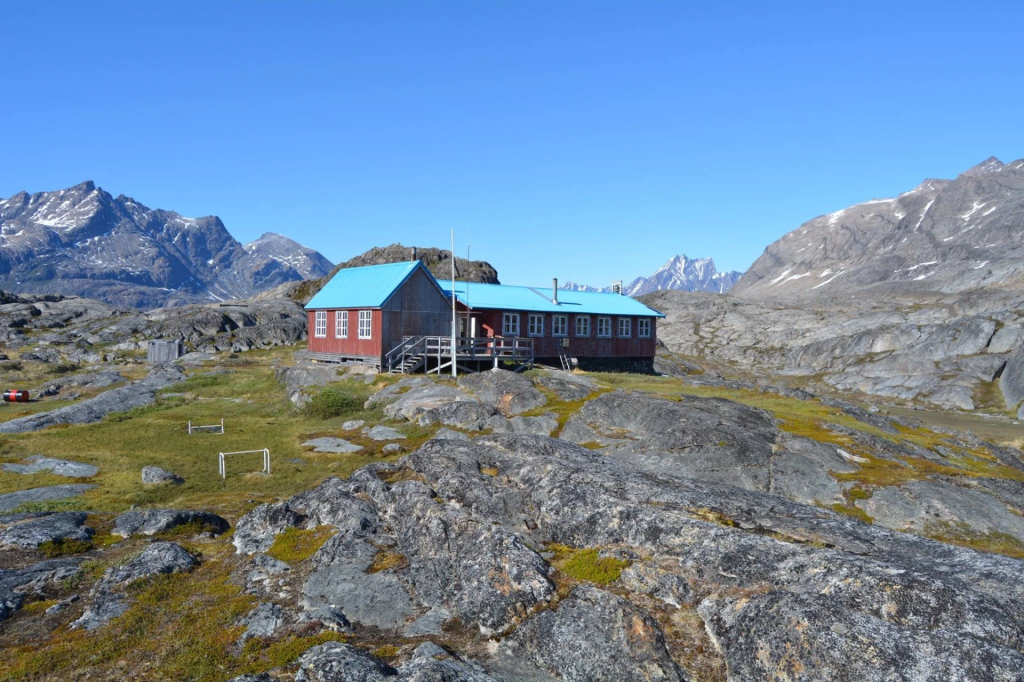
(398, 318)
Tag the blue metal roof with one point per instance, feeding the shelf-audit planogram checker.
(366, 287)
(535, 299)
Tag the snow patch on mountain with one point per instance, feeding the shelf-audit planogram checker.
(680, 273)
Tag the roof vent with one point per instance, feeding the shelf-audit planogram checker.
(554, 290)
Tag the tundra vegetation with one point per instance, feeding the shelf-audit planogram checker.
(543, 575)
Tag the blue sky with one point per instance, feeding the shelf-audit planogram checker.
(585, 140)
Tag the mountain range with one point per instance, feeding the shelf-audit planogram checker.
(944, 236)
(679, 274)
(83, 241)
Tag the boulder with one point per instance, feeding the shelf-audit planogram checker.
(57, 467)
(383, 433)
(299, 377)
(333, 445)
(337, 662)
(391, 448)
(108, 599)
(158, 476)
(31, 533)
(422, 395)
(565, 385)
(508, 392)
(151, 521)
(460, 413)
(262, 621)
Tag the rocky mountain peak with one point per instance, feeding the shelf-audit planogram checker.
(83, 241)
(944, 236)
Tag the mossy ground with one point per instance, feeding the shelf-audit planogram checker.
(256, 413)
(587, 564)
(179, 627)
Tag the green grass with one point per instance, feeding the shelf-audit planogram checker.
(256, 414)
(332, 402)
(961, 534)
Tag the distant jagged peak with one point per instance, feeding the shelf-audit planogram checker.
(986, 167)
(680, 273)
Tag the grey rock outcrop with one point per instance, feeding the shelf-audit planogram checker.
(302, 376)
(92, 410)
(108, 599)
(151, 521)
(773, 584)
(57, 467)
(16, 584)
(508, 392)
(9, 501)
(262, 621)
(593, 634)
(155, 475)
(1011, 383)
(567, 386)
(31, 533)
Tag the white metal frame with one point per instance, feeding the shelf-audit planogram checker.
(223, 465)
(212, 428)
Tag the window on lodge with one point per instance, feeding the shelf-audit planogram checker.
(559, 325)
(341, 324)
(510, 324)
(625, 330)
(365, 324)
(535, 325)
(604, 327)
(643, 328)
(583, 325)
(320, 327)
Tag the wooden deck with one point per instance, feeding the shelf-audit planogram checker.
(471, 354)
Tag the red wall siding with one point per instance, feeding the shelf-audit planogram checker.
(585, 347)
(352, 345)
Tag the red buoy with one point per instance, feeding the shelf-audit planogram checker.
(12, 395)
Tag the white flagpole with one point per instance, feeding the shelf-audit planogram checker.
(454, 314)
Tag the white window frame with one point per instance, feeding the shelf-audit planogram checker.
(625, 328)
(510, 324)
(585, 320)
(366, 324)
(320, 324)
(559, 322)
(643, 327)
(535, 324)
(341, 324)
(605, 322)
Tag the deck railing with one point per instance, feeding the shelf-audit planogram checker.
(510, 348)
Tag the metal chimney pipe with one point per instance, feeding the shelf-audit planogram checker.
(414, 253)
(554, 290)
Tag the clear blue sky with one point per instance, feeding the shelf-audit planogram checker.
(585, 140)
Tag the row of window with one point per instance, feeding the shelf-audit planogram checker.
(365, 329)
(560, 326)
